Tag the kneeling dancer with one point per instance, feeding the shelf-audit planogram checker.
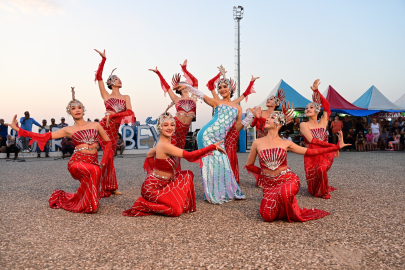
(83, 165)
(166, 191)
(280, 184)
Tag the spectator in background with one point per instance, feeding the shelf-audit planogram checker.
(360, 125)
(120, 144)
(384, 139)
(384, 124)
(26, 124)
(396, 138)
(62, 123)
(301, 141)
(395, 126)
(401, 122)
(53, 124)
(290, 128)
(3, 144)
(336, 126)
(370, 140)
(351, 139)
(347, 125)
(286, 136)
(44, 127)
(11, 147)
(375, 130)
(297, 123)
(329, 128)
(68, 146)
(3, 129)
(360, 142)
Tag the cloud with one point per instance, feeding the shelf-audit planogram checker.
(32, 7)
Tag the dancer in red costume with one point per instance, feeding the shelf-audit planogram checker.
(280, 184)
(317, 167)
(165, 191)
(118, 111)
(83, 165)
(232, 136)
(186, 105)
(272, 103)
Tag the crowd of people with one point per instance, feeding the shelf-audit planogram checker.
(378, 134)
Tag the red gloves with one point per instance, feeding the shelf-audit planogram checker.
(320, 151)
(107, 153)
(149, 164)
(41, 139)
(163, 83)
(321, 143)
(212, 83)
(189, 77)
(99, 72)
(256, 171)
(127, 115)
(325, 104)
(249, 90)
(196, 155)
(259, 123)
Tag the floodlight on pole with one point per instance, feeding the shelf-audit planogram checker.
(237, 16)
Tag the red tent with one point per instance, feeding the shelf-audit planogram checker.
(336, 101)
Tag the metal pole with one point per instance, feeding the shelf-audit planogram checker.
(238, 58)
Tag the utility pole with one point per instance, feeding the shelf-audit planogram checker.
(237, 16)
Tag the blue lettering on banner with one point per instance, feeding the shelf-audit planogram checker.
(55, 142)
(141, 137)
(127, 136)
(155, 135)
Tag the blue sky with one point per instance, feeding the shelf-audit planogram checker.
(47, 46)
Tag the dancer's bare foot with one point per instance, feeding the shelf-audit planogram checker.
(115, 192)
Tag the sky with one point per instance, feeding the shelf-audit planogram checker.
(48, 46)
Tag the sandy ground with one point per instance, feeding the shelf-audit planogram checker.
(364, 231)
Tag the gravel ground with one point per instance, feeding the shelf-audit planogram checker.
(364, 231)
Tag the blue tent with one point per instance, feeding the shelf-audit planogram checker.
(291, 95)
(373, 99)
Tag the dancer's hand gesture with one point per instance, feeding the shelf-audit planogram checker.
(154, 70)
(254, 78)
(222, 70)
(101, 53)
(184, 63)
(342, 144)
(219, 148)
(13, 124)
(258, 112)
(315, 85)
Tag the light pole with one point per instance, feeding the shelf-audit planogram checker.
(237, 16)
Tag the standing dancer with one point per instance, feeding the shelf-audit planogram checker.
(218, 179)
(232, 136)
(280, 184)
(272, 103)
(83, 165)
(317, 167)
(118, 111)
(166, 191)
(186, 105)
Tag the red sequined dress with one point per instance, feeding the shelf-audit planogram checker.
(317, 167)
(164, 195)
(279, 201)
(83, 167)
(231, 141)
(122, 115)
(188, 108)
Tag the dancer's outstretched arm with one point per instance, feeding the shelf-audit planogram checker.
(249, 90)
(165, 86)
(189, 77)
(324, 103)
(313, 152)
(210, 101)
(171, 150)
(99, 75)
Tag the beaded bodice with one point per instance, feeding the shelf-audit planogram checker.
(318, 133)
(168, 165)
(115, 104)
(186, 107)
(85, 136)
(273, 158)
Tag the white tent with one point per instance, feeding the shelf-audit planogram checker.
(401, 102)
(373, 99)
